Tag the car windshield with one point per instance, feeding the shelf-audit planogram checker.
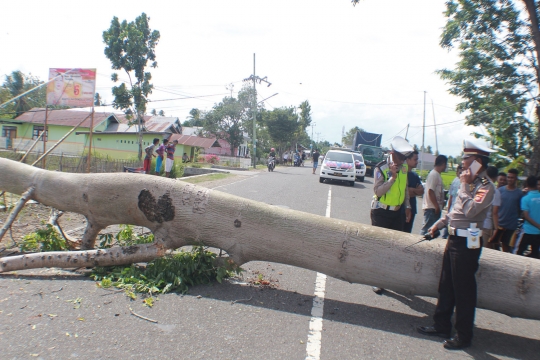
(358, 157)
(337, 156)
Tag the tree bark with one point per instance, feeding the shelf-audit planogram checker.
(180, 213)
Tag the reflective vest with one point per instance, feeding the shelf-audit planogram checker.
(396, 194)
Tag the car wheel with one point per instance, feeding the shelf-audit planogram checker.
(321, 180)
(361, 178)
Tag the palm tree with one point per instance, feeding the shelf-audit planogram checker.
(18, 83)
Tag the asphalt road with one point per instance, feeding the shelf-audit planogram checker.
(55, 314)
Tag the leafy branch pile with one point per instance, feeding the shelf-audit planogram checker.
(173, 272)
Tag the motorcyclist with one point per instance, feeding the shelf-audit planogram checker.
(272, 153)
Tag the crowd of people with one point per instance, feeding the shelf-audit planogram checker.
(165, 151)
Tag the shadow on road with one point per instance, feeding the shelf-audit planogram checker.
(486, 342)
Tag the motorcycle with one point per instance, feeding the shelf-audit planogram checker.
(297, 160)
(271, 163)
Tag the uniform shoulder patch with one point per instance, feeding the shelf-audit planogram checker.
(480, 195)
(485, 181)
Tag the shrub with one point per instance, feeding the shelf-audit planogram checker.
(212, 159)
(47, 239)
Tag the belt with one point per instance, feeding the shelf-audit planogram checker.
(457, 232)
(388, 207)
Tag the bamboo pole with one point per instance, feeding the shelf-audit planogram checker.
(32, 147)
(45, 137)
(59, 142)
(88, 161)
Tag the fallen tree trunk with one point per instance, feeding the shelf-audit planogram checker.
(182, 214)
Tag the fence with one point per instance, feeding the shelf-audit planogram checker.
(73, 164)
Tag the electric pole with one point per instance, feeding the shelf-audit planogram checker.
(312, 139)
(255, 79)
(423, 138)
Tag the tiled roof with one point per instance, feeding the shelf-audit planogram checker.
(194, 141)
(65, 117)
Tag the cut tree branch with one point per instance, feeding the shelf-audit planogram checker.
(27, 195)
(180, 214)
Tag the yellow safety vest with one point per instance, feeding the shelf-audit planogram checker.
(396, 194)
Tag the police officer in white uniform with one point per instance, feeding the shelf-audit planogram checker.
(457, 285)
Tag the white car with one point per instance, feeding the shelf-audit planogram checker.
(360, 167)
(338, 165)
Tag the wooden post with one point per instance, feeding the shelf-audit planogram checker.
(89, 159)
(45, 136)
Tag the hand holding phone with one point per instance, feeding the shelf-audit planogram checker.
(475, 167)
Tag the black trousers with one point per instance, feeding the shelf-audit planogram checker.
(387, 219)
(534, 241)
(457, 288)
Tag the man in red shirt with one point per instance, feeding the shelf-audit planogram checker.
(149, 153)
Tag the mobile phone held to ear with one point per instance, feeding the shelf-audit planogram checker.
(475, 167)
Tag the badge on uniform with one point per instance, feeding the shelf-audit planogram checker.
(378, 174)
(480, 195)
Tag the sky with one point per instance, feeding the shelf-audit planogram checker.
(368, 65)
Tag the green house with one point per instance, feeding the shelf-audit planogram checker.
(112, 134)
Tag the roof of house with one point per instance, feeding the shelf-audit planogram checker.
(152, 124)
(64, 117)
(198, 141)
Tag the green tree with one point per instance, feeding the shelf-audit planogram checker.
(349, 135)
(498, 74)
(97, 100)
(429, 150)
(129, 47)
(194, 118)
(228, 119)
(282, 124)
(16, 84)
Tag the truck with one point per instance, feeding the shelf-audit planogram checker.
(369, 145)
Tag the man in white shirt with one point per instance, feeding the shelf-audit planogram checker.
(433, 201)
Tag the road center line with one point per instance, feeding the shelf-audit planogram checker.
(313, 348)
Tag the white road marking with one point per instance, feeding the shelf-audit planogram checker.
(313, 348)
(236, 182)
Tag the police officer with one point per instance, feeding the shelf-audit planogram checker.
(391, 191)
(457, 285)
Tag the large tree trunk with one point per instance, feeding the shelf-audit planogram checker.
(181, 214)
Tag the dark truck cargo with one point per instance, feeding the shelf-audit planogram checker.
(369, 144)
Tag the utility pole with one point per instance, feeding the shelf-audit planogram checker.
(312, 139)
(435, 126)
(255, 79)
(230, 87)
(423, 138)
(407, 132)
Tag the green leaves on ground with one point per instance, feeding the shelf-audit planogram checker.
(175, 272)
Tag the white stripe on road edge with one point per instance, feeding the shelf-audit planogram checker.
(236, 182)
(313, 348)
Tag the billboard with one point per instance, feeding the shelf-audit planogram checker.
(71, 87)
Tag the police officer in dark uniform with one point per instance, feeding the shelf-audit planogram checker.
(457, 285)
(391, 192)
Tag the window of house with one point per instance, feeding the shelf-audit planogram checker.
(38, 129)
(9, 131)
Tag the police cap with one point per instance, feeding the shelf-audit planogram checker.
(401, 146)
(470, 148)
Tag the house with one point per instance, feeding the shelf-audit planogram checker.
(426, 161)
(112, 134)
